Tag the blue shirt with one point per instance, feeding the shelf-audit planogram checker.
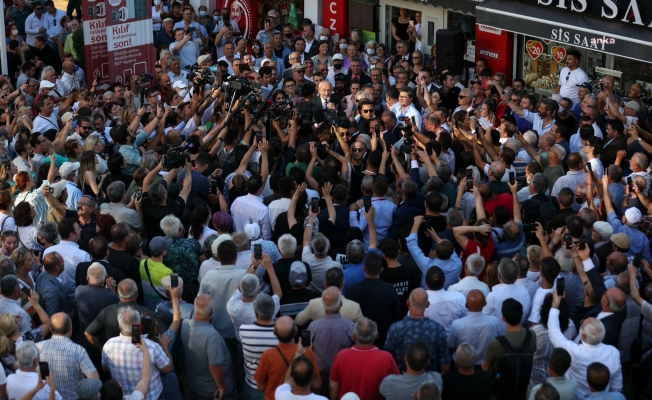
(404, 333)
(507, 248)
(477, 329)
(382, 221)
(451, 267)
(353, 273)
(522, 124)
(640, 243)
(605, 395)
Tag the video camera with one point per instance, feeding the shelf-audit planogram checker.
(280, 110)
(144, 77)
(207, 76)
(240, 86)
(176, 157)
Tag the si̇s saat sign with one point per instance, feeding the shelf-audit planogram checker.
(637, 12)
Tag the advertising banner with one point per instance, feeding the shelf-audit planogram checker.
(336, 17)
(129, 39)
(97, 58)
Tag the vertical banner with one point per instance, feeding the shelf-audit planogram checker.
(242, 12)
(335, 17)
(129, 39)
(97, 58)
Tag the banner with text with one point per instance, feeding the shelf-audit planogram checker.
(97, 58)
(129, 39)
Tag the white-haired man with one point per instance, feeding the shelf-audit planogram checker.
(474, 267)
(208, 359)
(591, 349)
(27, 376)
(125, 361)
(241, 305)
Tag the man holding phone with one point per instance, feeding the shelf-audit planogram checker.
(198, 31)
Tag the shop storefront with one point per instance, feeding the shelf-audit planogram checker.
(530, 38)
(435, 15)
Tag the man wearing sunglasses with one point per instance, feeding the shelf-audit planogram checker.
(571, 77)
(51, 20)
(35, 24)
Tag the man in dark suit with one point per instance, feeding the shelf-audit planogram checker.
(323, 103)
(393, 133)
(53, 297)
(615, 141)
(98, 248)
(355, 72)
(609, 306)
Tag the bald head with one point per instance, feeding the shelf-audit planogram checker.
(485, 190)
(475, 301)
(622, 282)
(418, 301)
(285, 329)
(615, 300)
(61, 324)
(332, 299)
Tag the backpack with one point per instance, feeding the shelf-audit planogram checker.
(513, 373)
(547, 210)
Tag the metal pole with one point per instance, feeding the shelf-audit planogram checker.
(3, 52)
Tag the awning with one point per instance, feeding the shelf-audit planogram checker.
(573, 29)
(459, 6)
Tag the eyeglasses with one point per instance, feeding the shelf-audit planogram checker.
(38, 8)
(83, 204)
(403, 97)
(357, 150)
(300, 71)
(366, 111)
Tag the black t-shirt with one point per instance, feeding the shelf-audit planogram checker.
(438, 222)
(129, 266)
(467, 387)
(154, 214)
(356, 181)
(405, 279)
(126, 179)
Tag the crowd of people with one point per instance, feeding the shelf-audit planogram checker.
(383, 227)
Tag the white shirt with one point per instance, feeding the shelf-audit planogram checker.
(188, 53)
(242, 313)
(72, 255)
(539, 295)
(284, 392)
(277, 207)
(53, 22)
(250, 206)
(21, 382)
(468, 283)
(230, 67)
(205, 234)
(43, 123)
(445, 307)
(582, 355)
(70, 81)
(183, 76)
(32, 26)
(568, 80)
(410, 112)
(206, 266)
(502, 292)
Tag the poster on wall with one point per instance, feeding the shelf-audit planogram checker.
(558, 53)
(129, 39)
(534, 48)
(97, 57)
(242, 12)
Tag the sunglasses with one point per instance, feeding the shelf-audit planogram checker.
(568, 76)
(366, 111)
(357, 150)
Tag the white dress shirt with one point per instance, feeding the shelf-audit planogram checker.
(445, 307)
(535, 315)
(582, 355)
(72, 255)
(32, 26)
(250, 206)
(277, 207)
(468, 283)
(502, 292)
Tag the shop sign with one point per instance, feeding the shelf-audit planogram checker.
(489, 54)
(582, 39)
(637, 12)
(335, 16)
(490, 29)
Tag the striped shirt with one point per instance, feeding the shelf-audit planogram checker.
(256, 338)
(36, 199)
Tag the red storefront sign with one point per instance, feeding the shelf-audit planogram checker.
(336, 16)
(496, 46)
(129, 39)
(97, 57)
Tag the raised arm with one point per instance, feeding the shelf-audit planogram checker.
(516, 205)
(330, 207)
(293, 205)
(606, 197)
(187, 182)
(273, 279)
(151, 175)
(373, 236)
(460, 232)
(146, 374)
(530, 150)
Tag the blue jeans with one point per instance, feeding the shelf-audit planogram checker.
(251, 393)
(171, 389)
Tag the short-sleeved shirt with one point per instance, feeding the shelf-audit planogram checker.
(157, 270)
(362, 370)
(405, 278)
(203, 347)
(272, 366)
(107, 320)
(182, 257)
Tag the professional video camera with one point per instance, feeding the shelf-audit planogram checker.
(144, 77)
(408, 141)
(240, 86)
(280, 110)
(207, 76)
(176, 157)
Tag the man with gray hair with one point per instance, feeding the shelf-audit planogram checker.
(287, 246)
(10, 290)
(508, 272)
(465, 101)
(591, 349)
(331, 333)
(316, 250)
(362, 368)
(474, 266)
(210, 373)
(116, 193)
(256, 338)
(240, 305)
(465, 381)
(106, 321)
(125, 361)
(27, 376)
(7, 267)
